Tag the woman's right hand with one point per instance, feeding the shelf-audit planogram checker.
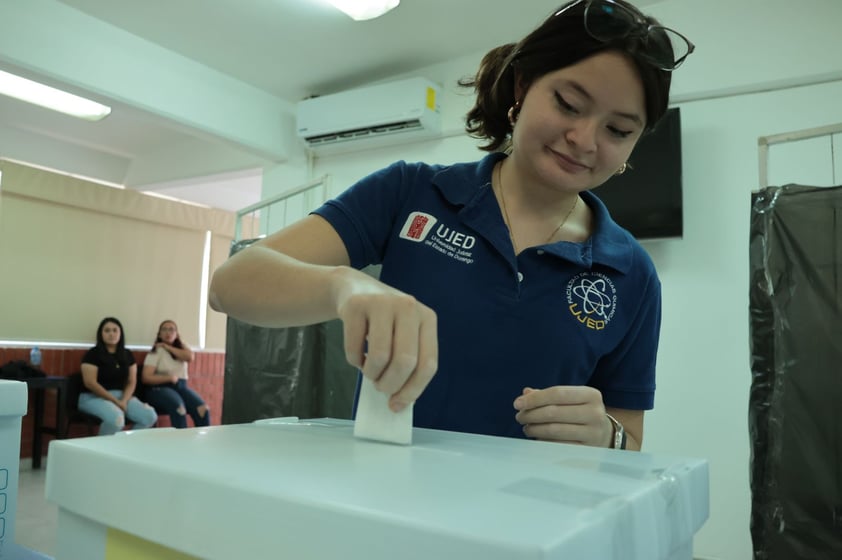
(301, 276)
(388, 334)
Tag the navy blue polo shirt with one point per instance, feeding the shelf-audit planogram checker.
(557, 314)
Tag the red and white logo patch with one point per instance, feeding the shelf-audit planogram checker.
(418, 225)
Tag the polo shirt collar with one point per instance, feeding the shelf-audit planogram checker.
(458, 183)
(463, 185)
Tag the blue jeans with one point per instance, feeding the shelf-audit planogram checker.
(112, 416)
(177, 400)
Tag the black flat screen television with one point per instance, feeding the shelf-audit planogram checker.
(646, 199)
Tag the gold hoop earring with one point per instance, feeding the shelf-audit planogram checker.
(513, 113)
(622, 169)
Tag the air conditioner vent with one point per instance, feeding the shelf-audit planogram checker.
(364, 133)
(357, 119)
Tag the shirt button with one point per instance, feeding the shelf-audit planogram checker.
(520, 276)
(540, 251)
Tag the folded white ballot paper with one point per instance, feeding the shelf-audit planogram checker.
(375, 420)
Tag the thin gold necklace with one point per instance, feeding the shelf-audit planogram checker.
(509, 221)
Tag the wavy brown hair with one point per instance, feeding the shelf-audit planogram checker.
(560, 41)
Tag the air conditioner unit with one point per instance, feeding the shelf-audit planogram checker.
(368, 117)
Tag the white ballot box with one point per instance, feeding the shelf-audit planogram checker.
(13, 401)
(289, 489)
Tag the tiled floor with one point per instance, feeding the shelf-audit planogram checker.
(35, 522)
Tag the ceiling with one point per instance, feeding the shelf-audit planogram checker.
(289, 49)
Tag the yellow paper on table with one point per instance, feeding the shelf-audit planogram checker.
(123, 546)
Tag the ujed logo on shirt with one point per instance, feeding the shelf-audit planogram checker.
(592, 299)
(418, 225)
(439, 236)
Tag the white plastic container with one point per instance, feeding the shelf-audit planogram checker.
(13, 398)
(310, 490)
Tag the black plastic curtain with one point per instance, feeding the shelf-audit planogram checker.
(297, 371)
(796, 363)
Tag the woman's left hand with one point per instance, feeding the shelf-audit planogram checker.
(570, 414)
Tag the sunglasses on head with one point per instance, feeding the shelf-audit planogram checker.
(606, 20)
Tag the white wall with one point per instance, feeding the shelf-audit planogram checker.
(704, 368)
(743, 43)
(703, 364)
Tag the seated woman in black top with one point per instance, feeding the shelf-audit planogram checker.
(109, 376)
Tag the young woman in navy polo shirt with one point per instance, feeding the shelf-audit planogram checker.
(509, 302)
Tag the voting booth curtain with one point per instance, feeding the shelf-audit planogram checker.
(296, 371)
(796, 365)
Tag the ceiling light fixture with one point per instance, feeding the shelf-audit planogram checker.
(51, 98)
(361, 10)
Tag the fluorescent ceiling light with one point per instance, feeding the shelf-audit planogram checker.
(51, 98)
(361, 10)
